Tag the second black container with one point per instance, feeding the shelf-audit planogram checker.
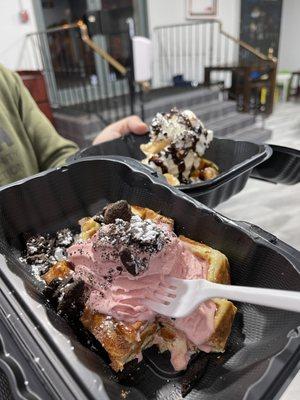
(236, 160)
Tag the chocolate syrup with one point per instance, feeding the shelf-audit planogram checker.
(159, 163)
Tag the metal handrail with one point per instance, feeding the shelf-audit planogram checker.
(86, 39)
(241, 43)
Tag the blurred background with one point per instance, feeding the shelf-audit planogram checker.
(235, 63)
(229, 61)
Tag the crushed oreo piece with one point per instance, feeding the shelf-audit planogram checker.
(98, 218)
(51, 288)
(38, 252)
(194, 373)
(132, 264)
(39, 245)
(66, 296)
(70, 302)
(141, 238)
(147, 234)
(42, 251)
(119, 210)
(64, 238)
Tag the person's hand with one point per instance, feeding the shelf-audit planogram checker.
(120, 128)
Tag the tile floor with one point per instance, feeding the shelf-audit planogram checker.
(275, 208)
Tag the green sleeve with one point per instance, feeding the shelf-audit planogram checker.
(50, 148)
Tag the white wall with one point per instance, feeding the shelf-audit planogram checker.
(183, 52)
(289, 54)
(13, 32)
(168, 12)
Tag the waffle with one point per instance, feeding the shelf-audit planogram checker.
(124, 341)
(154, 147)
(178, 140)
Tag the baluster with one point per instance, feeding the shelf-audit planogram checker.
(226, 51)
(174, 52)
(194, 53)
(181, 50)
(169, 54)
(48, 62)
(164, 54)
(211, 39)
(78, 89)
(203, 48)
(187, 41)
(59, 69)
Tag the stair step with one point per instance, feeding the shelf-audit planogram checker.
(214, 110)
(253, 134)
(210, 111)
(182, 100)
(234, 121)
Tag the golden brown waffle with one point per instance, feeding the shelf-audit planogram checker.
(125, 341)
(152, 148)
(122, 341)
(59, 270)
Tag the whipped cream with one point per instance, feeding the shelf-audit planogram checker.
(185, 140)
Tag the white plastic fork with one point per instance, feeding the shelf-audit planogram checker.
(180, 297)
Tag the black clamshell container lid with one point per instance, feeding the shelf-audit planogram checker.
(236, 160)
(41, 356)
(282, 167)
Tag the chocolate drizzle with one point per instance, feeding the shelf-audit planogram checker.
(159, 163)
(188, 138)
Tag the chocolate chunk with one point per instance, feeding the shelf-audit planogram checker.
(133, 265)
(118, 210)
(70, 303)
(194, 373)
(49, 291)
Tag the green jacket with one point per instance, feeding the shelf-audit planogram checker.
(28, 142)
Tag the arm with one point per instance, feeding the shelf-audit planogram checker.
(50, 148)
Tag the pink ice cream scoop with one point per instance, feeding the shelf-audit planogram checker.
(126, 260)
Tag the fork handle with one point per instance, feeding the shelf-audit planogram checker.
(283, 299)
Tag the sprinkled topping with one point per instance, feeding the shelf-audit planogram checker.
(142, 234)
(64, 238)
(44, 250)
(147, 233)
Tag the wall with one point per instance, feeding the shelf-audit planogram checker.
(12, 34)
(190, 55)
(289, 54)
(167, 12)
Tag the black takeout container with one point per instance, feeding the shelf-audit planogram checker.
(282, 167)
(42, 358)
(236, 160)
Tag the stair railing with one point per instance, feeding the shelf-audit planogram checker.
(193, 51)
(76, 77)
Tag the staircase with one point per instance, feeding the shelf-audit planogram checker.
(208, 104)
(217, 114)
(85, 98)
